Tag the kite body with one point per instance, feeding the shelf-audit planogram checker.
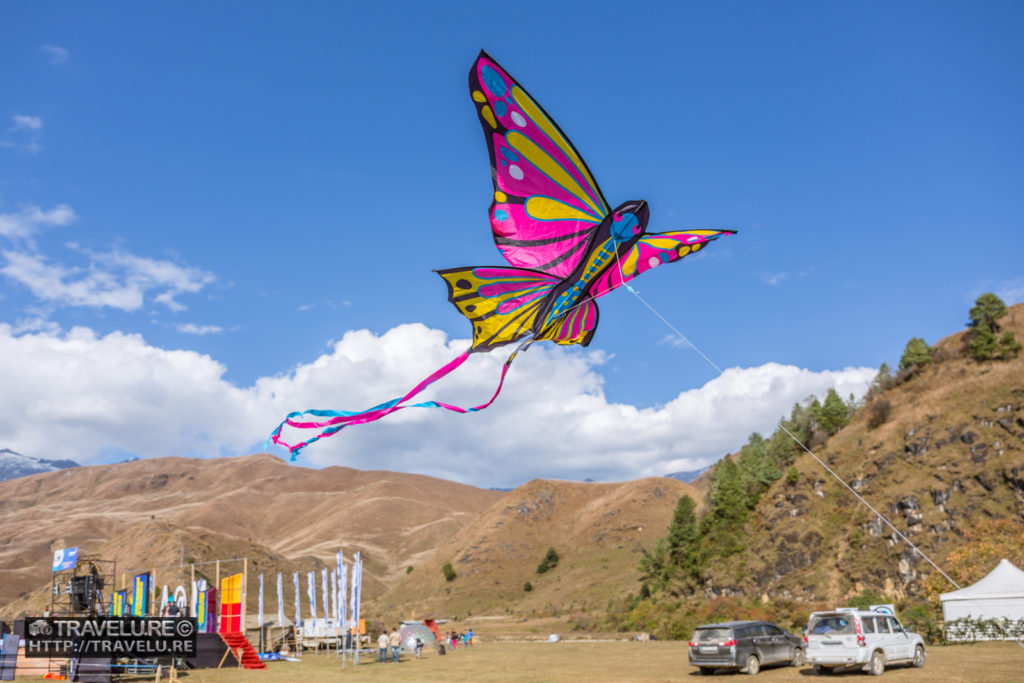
(564, 245)
(552, 224)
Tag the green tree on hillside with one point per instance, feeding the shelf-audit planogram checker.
(916, 354)
(682, 534)
(781, 447)
(656, 566)
(721, 528)
(984, 341)
(757, 466)
(727, 496)
(833, 414)
(883, 380)
(988, 308)
(675, 557)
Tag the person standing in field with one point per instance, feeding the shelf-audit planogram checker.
(382, 647)
(396, 641)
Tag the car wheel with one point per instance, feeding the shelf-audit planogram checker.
(753, 665)
(919, 657)
(706, 671)
(822, 670)
(798, 657)
(876, 667)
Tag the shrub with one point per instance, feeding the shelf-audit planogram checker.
(550, 561)
(449, 573)
(865, 599)
(408, 570)
(527, 586)
(792, 475)
(878, 412)
(920, 619)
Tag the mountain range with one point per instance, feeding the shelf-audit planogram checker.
(948, 455)
(14, 465)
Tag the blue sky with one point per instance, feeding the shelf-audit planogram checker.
(199, 201)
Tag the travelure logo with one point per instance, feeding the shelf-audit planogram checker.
(110, 636)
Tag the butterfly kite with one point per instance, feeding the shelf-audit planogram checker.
(565, 247)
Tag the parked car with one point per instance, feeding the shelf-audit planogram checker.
(743, 646)
(849, 638)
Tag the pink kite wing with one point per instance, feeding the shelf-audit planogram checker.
(546, 204)
(652, 250)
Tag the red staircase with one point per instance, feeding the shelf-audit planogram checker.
(250, 658)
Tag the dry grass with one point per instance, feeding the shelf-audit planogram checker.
(605, 661)
(597, 529)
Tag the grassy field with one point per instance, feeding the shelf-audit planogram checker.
(604, 661)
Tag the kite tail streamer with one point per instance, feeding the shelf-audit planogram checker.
(336, 420)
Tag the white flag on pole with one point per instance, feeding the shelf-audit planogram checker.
(357, 588)
(280, 602)
(261, 602)
(298, 614)
(311, 591)
(333, 587)
(324, 594)
(343, 595)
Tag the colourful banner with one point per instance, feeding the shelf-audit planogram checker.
(66, 558)
(118, 603)
(202, 615)
(140, 595)
(231, 604)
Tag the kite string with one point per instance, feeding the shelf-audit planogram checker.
(803, 446)
(797, 441)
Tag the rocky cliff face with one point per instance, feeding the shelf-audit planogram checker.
(950, 454)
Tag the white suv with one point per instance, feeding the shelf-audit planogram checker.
(869, 639)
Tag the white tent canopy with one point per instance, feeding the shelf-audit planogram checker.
(999, 596)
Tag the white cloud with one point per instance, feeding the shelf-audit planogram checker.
(114, 279)
(56, 54)
(774, 278)
(90, 398)
(1011, 291)
(199, 330)
(676, 341)
(27, 222)
(25, 134)
(26, 122)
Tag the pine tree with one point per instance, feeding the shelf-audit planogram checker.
(834, 414)
(916, 354)
(728, 498)
(987, 309)
(682, 534)
(983, 344)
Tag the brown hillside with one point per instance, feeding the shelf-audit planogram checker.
(951, 454)
(596, 529)
(164, 511)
